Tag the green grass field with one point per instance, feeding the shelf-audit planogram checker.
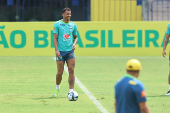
(27, 84)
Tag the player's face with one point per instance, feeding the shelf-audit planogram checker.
(67, 15)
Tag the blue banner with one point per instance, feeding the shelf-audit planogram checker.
(10, 2)
(75, 2)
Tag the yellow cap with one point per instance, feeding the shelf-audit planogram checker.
(133, 64)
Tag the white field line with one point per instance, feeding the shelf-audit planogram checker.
(87, 92)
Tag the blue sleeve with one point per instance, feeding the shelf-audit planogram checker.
(168, 29)
(56, 29)
(140, 93)
(75, 30)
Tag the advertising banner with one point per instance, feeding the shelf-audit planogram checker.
(94, 38)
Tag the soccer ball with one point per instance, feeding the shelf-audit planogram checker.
(72, 96)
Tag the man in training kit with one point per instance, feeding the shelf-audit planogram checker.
(65, 39)
(129, 92)
(164, 53)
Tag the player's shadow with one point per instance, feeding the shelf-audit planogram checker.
(47, 98)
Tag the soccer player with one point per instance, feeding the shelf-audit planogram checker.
(65, 39)
(164, 52)
(129, 92)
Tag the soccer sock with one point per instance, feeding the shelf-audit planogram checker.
(71, 89)
(169, 87)
(57, 86)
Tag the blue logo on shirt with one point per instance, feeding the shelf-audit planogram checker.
(62, 24)
(70, 26)
(70, 29)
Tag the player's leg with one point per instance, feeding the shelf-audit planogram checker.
(60, 68)
(169, 73)
(168, 93)
(71, 78)
(169, 80)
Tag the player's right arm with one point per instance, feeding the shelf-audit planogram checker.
(165, 44)
(55, 38)
(143, 107)
(166, 40)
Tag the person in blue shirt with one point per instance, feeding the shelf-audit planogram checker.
(129, 92)
(65, 39)
(164, 53)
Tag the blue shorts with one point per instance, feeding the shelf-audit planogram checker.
(66, 55)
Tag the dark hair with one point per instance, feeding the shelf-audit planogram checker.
(131, 71)
(66, 9)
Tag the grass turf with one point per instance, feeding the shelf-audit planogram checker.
(28, 83)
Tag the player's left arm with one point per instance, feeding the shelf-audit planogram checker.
(115, 105)
(143, 107)
(74, 42)
(141, 97)
(75, 37)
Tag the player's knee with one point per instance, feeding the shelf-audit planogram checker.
(60, 73)
(71, 70)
